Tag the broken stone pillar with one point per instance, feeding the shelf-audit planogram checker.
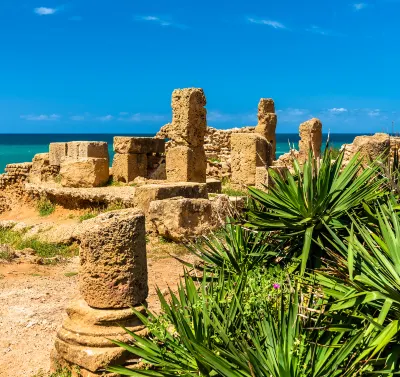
(186, 159)
(136, 157)
(310, 139)
(113, 278)
(57, 152)
(267, 121)
(248, 151)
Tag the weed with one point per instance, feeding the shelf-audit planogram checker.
(45, 207)
(57, 179)
(231, 191)
(42, 249)
(60, 372)
(115, 206)
(163, 240)
(87, 216)
(7, 253)
(214, 160)
(70, 274)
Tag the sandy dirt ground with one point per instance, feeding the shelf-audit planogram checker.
(33, 299)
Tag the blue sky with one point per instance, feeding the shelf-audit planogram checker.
(101, 66)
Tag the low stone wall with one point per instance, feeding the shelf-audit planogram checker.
(15, 174)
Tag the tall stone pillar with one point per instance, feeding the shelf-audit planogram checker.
(310, 139)
(267, 121)
(186, 159)
(113, 278)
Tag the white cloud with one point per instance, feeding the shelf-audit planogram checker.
(105, 118)
(359, 6)
(42, 117)
(273, 24)
(160, 21)
(220, 117)
(317, 30)
(140, 117)
(43, 11)
(77, 117)
(338, 110)
(374, 113)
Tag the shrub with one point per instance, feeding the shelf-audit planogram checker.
(45, 207)
(87, 216)
(318, 197)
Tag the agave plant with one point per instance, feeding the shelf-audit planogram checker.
(205, 331)
(366, 270)
(234, 249)
(316, 197)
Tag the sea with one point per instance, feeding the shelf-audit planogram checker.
(22, 147)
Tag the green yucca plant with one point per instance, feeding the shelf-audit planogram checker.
(234, 249)
(316, 197)
(366, 271)
(205, 332)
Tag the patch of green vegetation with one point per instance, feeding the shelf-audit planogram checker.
(115, 206)
(57, 179)
(61, 372)
(7, 253)
(231, 191)
(43, 249)
(70, 274)
(45, 207)
(214, 160)
(164, 240)
(334, 152)
(88, 215)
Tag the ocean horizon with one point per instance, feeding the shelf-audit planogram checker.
(19, 147)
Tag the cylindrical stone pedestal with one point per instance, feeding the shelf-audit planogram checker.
(113, 278)
(113, 271)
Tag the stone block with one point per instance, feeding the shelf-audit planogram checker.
(85, 172)
(126, 167)
(372, 147)
(144, 195)
(40, 161)
(83, 149)
(310, 139)
(113, 272)
(186, 164)
(266, 105)
(57, 152)
(139, 145)
(248, 151)
(214, 186)
(179, 219)
(189, 117)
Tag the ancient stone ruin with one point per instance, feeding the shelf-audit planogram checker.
(138, 157)
(112, 280)
(186, 158)
(267, 121)
(310, 139)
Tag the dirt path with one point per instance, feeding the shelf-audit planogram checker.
(32, 307)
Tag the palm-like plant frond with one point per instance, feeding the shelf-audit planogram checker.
(321, 196)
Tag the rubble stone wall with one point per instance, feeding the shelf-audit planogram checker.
(15, 174)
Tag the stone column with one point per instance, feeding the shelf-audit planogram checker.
(310, 139)
(113, 278)
(186, 158)
(267, 121)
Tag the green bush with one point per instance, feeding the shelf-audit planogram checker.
(45, 207)
(88, 215)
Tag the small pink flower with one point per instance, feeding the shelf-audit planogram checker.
(276, 286)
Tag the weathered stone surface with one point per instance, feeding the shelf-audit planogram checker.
(126, 167)
(186, 164)
(41, 170)
(78, 198)
(189, 117)
(85, 172)
(248, 152)
(179, 219)
(310, 139)
(264, 180)
(57, 152)
(369, 147)
(139, 145)
(113, 271)
(214, 186)
(83, 338)
(82, 149)
(40, 161)
(145, 194)
(267, 121)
